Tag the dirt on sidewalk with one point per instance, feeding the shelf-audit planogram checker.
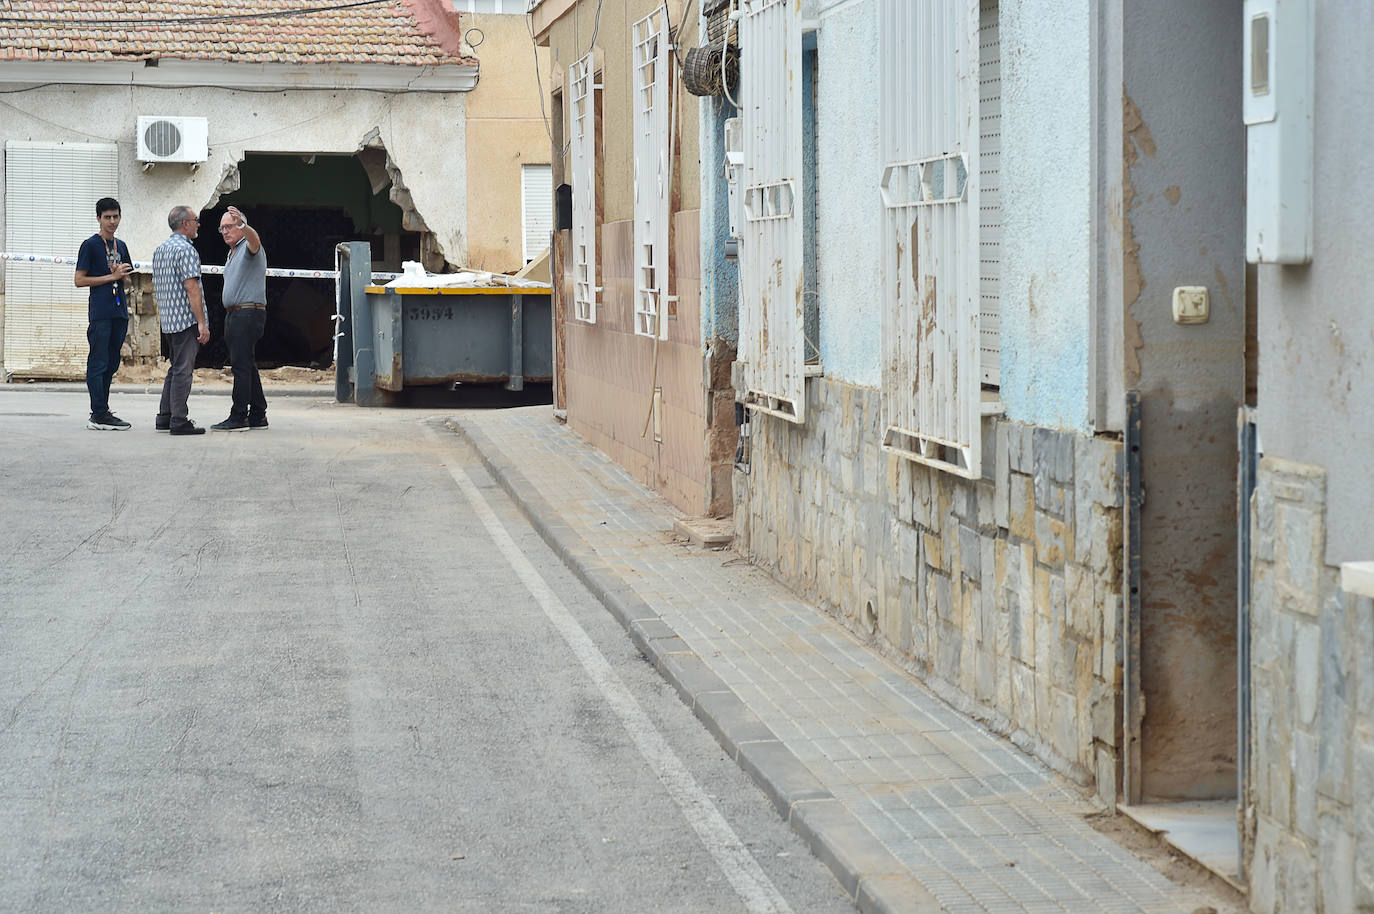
(154, 372)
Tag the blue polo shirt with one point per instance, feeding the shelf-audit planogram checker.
(107, 302)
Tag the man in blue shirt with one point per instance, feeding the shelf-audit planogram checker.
(181, 312)
(101, 266)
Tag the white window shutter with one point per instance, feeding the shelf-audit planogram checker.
(929, 133)
(583, 154)
(772, 287)
(50, 194)
(536, 186)
(649, 43)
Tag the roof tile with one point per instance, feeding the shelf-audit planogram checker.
(384, 31)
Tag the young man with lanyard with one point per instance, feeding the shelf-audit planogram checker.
(245, 317)
(101, 265)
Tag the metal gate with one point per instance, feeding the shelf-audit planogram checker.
(929, 132)
(772, 287)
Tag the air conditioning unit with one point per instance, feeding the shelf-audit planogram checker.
(173, 139)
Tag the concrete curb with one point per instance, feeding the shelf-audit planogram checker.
(876, 881)
(285, 390)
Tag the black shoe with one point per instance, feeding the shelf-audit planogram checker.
(260, 422)
(162, 425)
(231, 425)
(190, 428)
(107, 422)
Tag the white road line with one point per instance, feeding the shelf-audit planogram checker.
(749, 881)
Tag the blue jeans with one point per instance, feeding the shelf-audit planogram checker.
(106, 336)
(242, 329)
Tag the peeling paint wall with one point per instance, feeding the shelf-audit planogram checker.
(848, 208)
(505, 131)
(1047, 191)
(1183, 219)
(423, 134)
(1316, 326)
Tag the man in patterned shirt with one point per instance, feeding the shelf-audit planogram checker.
(181, 311)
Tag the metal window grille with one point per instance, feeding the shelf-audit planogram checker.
(50, 194)
(772, 329)
(649, 39)
(929, 133)
(583, 153)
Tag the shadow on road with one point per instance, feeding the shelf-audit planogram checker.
(472, 396)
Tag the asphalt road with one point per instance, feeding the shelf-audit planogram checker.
(328, 667)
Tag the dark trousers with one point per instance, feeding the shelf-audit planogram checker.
(176, 388)
(106, 337)
(242, 329)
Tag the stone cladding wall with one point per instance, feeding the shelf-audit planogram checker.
(1003, 594)
(1310, 790)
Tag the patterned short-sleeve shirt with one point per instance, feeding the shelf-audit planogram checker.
(175, 261)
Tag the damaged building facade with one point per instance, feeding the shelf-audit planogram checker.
(1018, 411)
(345, 124)
(643, 372)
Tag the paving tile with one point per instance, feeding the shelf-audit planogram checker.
(932, 789)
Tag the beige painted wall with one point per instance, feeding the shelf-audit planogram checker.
(569, 39)
(505, 130)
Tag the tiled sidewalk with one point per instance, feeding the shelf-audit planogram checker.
(914, 806)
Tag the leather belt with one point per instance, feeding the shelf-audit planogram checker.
(255, 305)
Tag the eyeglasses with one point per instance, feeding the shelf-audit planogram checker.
(226, 228)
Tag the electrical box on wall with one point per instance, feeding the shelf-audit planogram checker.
(1278, 65)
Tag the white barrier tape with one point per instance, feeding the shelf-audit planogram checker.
(143, 266)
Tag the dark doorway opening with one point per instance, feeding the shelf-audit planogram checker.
(302, 207)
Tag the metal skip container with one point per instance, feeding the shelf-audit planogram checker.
(428, 331)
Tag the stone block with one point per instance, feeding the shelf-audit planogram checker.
(1106, 715)
(1023, 695)
(1020, 641)
(1049, 540)
(922, 508)
(1361, 609)
(1299, 877)
(908, 551)
(1262, 523)
(1081, 610)
(970, 553)
(1046, 649)
(1306, 666)
(983, 494)
(1362, 825)
(1337, 869)
(933, 548)
(1021, 517)
(1001, 485)
(948, 654)
(902, 489)
(1266, 867)
(1334, 720)
(1299, 549)
(985, 687)
(1304, 762)
(944, 597)
(1105, 771)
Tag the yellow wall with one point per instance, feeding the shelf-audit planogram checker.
(569, 39)
(610, 372)
(505, 130)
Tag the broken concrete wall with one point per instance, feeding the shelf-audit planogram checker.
(422, 135)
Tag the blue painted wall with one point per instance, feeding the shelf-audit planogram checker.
(719, 276)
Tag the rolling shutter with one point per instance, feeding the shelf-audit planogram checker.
(50, 194)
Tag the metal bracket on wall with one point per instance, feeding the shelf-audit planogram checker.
(1133, 702)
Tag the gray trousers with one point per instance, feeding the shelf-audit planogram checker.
(184, 346)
